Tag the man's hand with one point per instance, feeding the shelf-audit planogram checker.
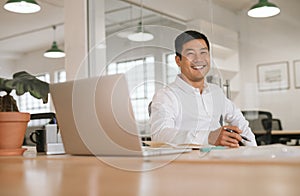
(222, 137)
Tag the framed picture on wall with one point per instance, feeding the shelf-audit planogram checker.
(273, 76)
(297, 73)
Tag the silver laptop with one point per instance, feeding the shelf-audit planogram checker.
(95, 117)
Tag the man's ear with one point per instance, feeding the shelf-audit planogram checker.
(178, 61)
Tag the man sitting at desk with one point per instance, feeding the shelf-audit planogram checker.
(192, 111)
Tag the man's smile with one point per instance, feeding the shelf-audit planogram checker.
(198, 67)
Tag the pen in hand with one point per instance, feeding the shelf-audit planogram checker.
(232, 131)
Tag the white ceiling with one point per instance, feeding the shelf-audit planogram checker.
(23, 33)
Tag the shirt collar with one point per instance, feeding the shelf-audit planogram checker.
(183, 85)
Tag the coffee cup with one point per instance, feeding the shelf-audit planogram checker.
(39, 138)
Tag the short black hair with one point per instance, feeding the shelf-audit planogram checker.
(186, 37)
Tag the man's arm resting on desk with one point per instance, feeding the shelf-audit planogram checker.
(171, 135)
(219, 137)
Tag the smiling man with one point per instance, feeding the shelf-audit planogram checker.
(192, 111)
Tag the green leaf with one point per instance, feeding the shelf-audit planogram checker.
(24, 82)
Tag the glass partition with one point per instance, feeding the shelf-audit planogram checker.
(240, 47)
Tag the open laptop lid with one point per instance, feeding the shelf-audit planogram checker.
(95, 116)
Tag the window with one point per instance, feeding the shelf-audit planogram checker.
(140, 77)
(171, 68)
(60, 76)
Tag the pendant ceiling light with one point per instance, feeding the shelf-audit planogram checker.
(140, 35)
(22, 6)
(54, 51)
(263, 9)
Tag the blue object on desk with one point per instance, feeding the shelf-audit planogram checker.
(209, 148)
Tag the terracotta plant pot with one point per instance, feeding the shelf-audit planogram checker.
(12, 132)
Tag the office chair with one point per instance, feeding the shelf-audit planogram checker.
(276, 124)
(149, 108)
(260, 121)
(48, 115)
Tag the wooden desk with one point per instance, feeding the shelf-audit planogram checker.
(186, 175)
(277, 134)
(280, 132)
(285, 132)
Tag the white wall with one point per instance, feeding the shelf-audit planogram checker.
(35, 63)
(264, 41)
(7, 66)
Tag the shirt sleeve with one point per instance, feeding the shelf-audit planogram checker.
(165, 109)
(235, 117)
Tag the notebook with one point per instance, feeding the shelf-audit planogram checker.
(95, 117)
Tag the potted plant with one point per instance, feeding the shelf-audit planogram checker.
(13, 123)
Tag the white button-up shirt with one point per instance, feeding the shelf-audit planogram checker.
(181, 115)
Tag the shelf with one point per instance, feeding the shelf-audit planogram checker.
(221, 51)
(223, 73)
(233, 94)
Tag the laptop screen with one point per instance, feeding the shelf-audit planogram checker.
(95, 116)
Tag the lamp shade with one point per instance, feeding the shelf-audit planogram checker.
(22, 6)
(263, 9)
(140, 35)
(54, 52)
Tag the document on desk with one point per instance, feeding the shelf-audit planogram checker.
(170, 145)
(267, 151)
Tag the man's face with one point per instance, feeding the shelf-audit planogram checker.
(195, 60)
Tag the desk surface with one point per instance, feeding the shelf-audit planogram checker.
(186, 175)
(279, 132)
(285, 132)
